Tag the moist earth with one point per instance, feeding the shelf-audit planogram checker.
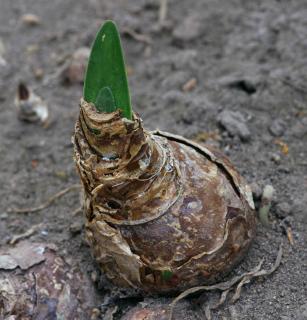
(231, 74)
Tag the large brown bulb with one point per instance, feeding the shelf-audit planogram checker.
(162, 213)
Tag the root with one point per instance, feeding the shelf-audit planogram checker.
(48, 202)
(76, 211)
(227, 286)
(137, 36)
(26, 234)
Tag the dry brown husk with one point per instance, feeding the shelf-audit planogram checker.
(162, 213)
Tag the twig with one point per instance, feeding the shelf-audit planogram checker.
(137, 36)
(48, 202)
(24, 235)
(228, 285)
(162, 11)
(76, 211)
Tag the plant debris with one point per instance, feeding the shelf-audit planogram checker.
(30, 107)
(26, 234)
(48, 202)
(227, 286)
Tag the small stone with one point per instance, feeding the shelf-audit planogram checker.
(75, 71)
(31, 19)
(3, 216)
(299, 130)
(277, 128)
(75, 228)
(234, 123)
(189, 29)
(275, 157)
(173, 96)
(38, 73)
(175, 80)
(94, 276)
(283, 209)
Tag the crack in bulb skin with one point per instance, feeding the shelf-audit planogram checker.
(162, 213)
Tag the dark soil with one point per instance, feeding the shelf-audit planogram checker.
(248, 57)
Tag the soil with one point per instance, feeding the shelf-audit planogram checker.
(248, 58)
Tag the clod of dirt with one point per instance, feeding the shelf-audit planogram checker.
(75, 71)
(75, 228)
(175, 80)
(283, 210)
(245, 84)
(46, 287)
(189, 29)
(277, 128)
(235, 124)
(299, 130)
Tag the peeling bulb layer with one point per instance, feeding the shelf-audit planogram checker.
(162, 213)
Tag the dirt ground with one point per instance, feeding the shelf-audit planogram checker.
(250, 65)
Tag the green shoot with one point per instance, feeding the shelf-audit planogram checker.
(167, 275)
(106, 69)
(105, 100)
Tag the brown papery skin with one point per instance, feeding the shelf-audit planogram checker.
(162, 213)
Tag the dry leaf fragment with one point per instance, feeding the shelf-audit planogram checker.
(30, 106)
(24, 255)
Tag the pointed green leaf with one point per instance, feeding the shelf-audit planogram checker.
(106, 68)
(105, 100)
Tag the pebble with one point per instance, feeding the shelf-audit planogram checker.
(277, 128)
(31, 19)
(175, 80)
(173, 96)
(3, 216)
(234, 123)
(75, 228)
(75, 71)
(275, 157)
(299, 130)
(183, 59)
(189, 29)
(282, 209)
